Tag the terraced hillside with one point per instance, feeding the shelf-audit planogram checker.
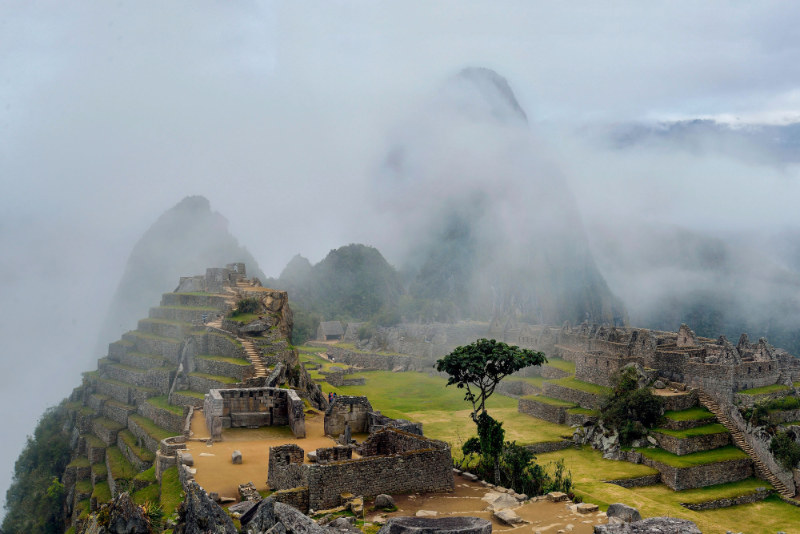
(144, 389)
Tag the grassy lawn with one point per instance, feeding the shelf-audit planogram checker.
(698, 413)
(698, 431)
(442, 410)
(94, 441)
(226, 359)
(564, 365)
(696, 458)
(155, 337)
(99, 470)
(163, 403)
(765, 389)
(549, 400)
(192, 308)
(195, 394)
(80, 461)
(109, 423)
(570, 382)
(166, 321)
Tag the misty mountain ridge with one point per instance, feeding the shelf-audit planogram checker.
(761, 143)
(187, 238)
(718, 285)
(490, 225)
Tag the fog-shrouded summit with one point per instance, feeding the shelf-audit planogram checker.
(185, 239)
(480, 215)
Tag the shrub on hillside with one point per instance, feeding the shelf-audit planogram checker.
(785, 449)
(630, 409)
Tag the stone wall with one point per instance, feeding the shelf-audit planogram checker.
(427, 341)
(334, 454)
(516, 388)
(239, 371)
(167, 348)
(179, 398)
(637, 482)
(370, 361)
(403, 470)
(583, 399)
(549, 446)
(600, 368)
(347, 409)
(286, 469)
(688, 445)
(148, 442)
(542, 410)
(163, 418)
(340, 379)
(158, 378)
(784, 416)
(759, 495)
(297, 497)
(700, 476)
(253, 407)
(680, 401)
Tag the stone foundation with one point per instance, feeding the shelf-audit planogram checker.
(688, 445)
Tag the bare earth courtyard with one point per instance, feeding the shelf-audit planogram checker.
(217, 473)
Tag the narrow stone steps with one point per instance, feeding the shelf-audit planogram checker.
(760, 467)
(255, 358)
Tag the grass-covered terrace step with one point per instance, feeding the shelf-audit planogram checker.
(569, 389)
(106, 429)
(101, 494)
(139, 456)
(699, 469)
(543, 407)
(149, 432)
(118, 466)
(691, 440)
(689, 418)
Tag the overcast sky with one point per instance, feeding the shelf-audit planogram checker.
(279, 113)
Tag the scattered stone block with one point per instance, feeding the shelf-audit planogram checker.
(557, 496)
(236, 457)
(503, 501)
(384, 501)
(587, 508)
(186, 459)
(509, 517)
(426, 513)
(469, 476)
(624, 512)
(456, 471)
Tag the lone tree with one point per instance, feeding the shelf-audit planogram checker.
(481, 365)
(478, 368)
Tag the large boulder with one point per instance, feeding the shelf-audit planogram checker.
(199, 514)
(651, 525)
(127, 517)
(384, 501)
(623, 512)
(269, 514)
(429, 525)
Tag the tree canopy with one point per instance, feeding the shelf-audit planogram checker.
(481, 365)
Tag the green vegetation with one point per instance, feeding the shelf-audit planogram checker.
(764, 389)
(758, 415)
(99, 470)
(84, 486)
(216, 378)
(110, 424)
(563, 365)
(785, 449)
(549, 400)
(102, 493)
(586, 387)
(147, 494)
(148, 475)
(153, 430)
(722, 454)
(130, 440)
(195, 394)
(80, 461)
(162, 402)
(583, 411)
(698, 413)
(171, 490)
(697, 431)
(245, 318)
(121, 468)
(630, 409)
(155, 337)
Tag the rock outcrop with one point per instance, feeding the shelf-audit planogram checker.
(198, 514)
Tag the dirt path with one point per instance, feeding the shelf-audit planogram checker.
(543, 516)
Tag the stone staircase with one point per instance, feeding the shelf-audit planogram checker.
(738, 439)
(254, 356)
